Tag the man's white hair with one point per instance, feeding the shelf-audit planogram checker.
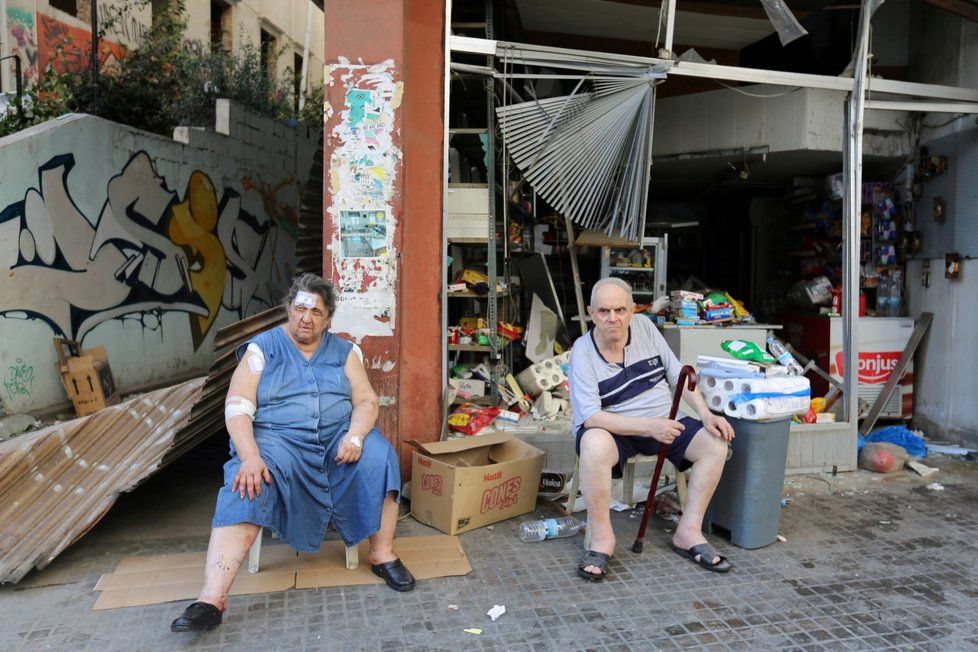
(617, 282)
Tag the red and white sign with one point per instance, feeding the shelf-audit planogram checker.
(874, 366)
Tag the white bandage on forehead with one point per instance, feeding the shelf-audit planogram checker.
(256, 361)
(304, 299)
(235, 405)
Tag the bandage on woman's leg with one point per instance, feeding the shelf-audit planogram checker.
(228, 547)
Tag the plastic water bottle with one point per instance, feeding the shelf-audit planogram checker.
(551, 528)
(781, 352)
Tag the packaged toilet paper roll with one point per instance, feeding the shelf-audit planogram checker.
(730, 408)
(786, 385)
(762, 409)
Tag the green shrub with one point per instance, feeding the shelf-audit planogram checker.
(159, 84)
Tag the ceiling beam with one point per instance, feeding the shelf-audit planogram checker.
(727, 73)
(961, 8)
(714, 9)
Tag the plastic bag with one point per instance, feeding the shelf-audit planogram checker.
(469, 418)
(784, 21)
(882, 457)
(899, 435)
(744, 350)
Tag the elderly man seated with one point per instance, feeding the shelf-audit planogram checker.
(304, 452)
(620, 379)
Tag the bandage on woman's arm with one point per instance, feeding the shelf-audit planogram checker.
(239, 412)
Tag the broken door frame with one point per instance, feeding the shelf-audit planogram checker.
(951, 99)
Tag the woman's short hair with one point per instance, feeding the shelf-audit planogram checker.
(315, 284)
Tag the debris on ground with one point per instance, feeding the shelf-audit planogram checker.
(947, 449)
(453, 606)
(922, 468)
(16, 424)
(782, 539)
(935, 486)
(472, 630)
(496, 611)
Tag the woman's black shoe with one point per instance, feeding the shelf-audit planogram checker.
(396, 574)
(198, 617)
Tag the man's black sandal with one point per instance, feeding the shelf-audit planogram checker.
(597, 559)
(395, 573)
(198, 617)
(706, 554)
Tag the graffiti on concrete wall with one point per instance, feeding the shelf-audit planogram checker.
(23, 42)
(68, 48)
(122, 24)
(149, 251)
(19, 379)
(363, 169)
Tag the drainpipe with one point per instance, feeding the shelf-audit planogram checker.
(305, 54)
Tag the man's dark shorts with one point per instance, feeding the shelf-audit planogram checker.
(629, 447)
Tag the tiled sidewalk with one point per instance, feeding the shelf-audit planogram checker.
(871, 563)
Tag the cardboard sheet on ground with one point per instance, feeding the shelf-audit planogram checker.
(166, 578)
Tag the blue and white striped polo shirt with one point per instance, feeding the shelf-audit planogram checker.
(639, 387)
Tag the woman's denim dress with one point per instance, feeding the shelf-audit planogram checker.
(304, 409)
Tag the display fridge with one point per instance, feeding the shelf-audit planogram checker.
(881, 343)
(644, 268)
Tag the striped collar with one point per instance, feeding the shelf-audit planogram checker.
(598, 350)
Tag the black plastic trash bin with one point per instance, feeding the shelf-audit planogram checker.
(747, 501)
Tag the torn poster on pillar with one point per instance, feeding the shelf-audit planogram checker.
(363, 168)
(363, 234)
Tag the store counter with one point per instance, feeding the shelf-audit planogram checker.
(688, 342)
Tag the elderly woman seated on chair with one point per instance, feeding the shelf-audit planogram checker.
(304, 452)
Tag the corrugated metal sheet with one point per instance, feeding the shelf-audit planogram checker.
(56, 483)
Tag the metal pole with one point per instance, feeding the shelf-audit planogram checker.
(95, 39)
(18, 85)
(446, 97)
(852, 165)
(670, 6)
(4, 52)
(305, 54)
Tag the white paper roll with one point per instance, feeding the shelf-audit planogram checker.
(731, 409)
(541, 377)
(788, 385)
(761, 409)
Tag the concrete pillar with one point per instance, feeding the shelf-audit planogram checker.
(383, 178)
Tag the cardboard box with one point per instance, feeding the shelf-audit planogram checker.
(472, 386)
(461, 485)
(86, 376)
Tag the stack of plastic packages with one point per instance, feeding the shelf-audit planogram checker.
(744, 390)
(685, 306)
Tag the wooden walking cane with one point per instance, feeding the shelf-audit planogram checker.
(687, 380)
